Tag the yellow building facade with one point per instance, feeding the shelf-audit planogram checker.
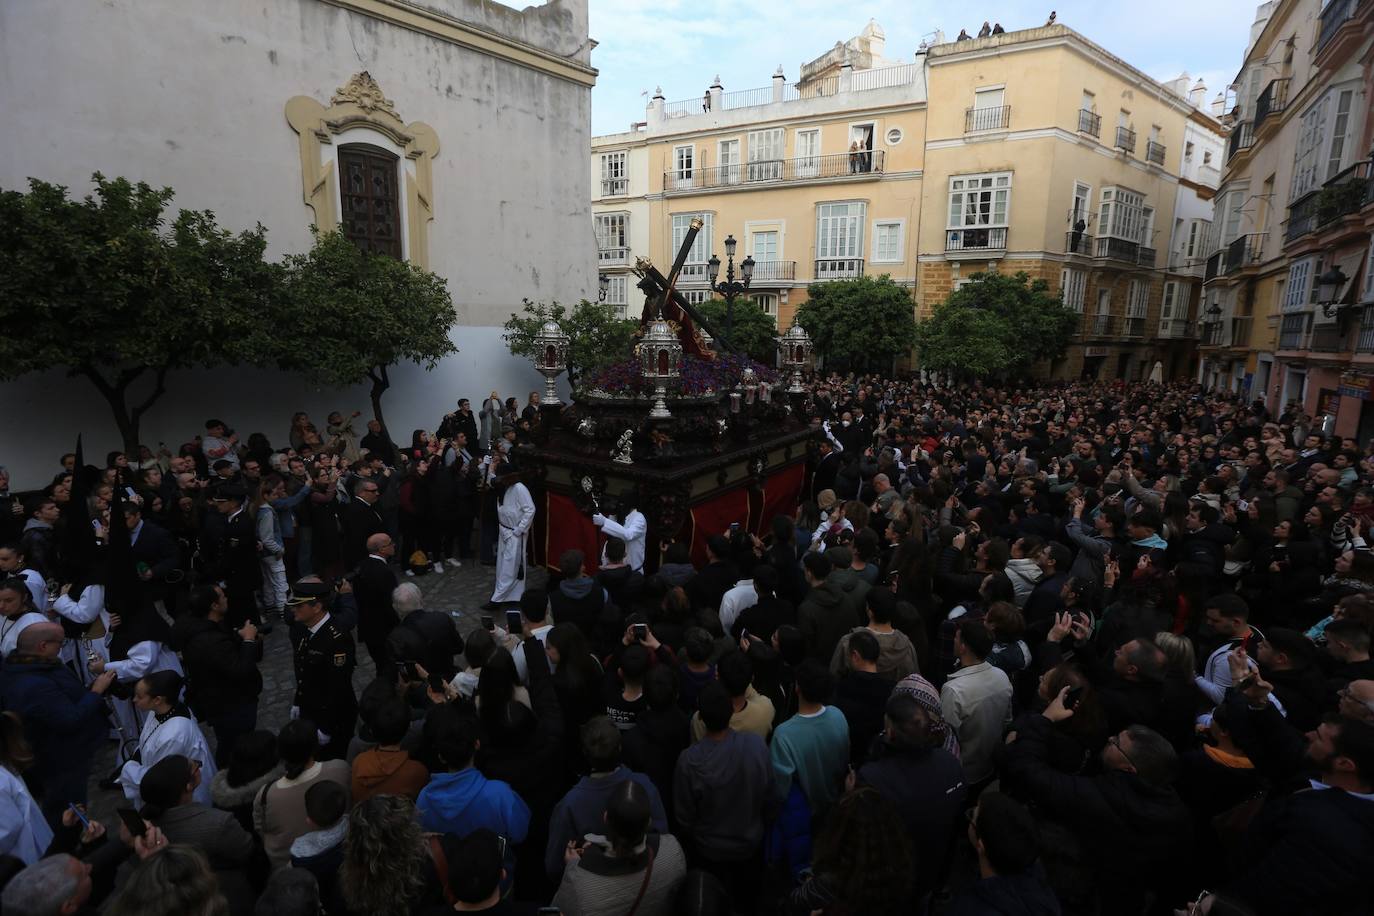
(1000, 153)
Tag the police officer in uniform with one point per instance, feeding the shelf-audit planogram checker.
(325, 657)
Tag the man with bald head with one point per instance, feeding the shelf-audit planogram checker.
(64, 721)
(372, 586)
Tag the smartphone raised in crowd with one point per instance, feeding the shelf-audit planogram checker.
(132, 822)
(641, 630)
(513, 621)
(488, 623)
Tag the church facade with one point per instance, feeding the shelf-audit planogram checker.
(451, 133)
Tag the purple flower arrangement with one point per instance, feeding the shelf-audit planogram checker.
(700, 377)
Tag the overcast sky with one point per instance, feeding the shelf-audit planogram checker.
(681, 44)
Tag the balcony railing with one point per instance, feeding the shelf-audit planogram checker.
(1211, 334)
(1125, 139)
(806, 168)
(1293, 331)
(615, 187)
(1272, 100)
(1244, 250)
(976, 238)
(1240, 330)
(1365, 344)
(1089, 123)
(1078, 243)
(609, 257)
(1344, 194)
(1242, 138)
(1154, 152)
(1336, 14)
(976, 119)
(694, 274)
(1101, 325)
(839, 268)
(1116, 249)
(774, 270)
(1133, 327)
(1327, 338)
(1146, 257)
(1175, 328)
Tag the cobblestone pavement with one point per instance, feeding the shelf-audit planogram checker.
(463, 590)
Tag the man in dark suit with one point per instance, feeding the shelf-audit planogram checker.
(235, 556)
(827, 467)
(361, 520)
(154, 552)
(372, 587)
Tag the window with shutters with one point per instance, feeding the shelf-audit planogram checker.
(1072, 283)
(371, 204)
(612, 233)
(768, 302)
(1340, 133)
(1122, 215)
(614, 181)
(701, 248)
(1137, 298)
(1297, 292)
(728, 155)
(887, 240)
(979, 200)
(808, 153)
(684, 162)
(765, 154)
(839, 230)
(617, 295)
(1369, 275)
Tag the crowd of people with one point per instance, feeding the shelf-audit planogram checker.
(1051, 649)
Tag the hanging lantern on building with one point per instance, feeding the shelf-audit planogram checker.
(551, 357)
(796, 350)
(660, 358)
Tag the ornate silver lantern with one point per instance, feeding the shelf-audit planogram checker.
(748, 381)
(660, 359)
(796, 350)
(551, 357)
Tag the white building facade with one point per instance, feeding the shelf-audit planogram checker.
(455, 118)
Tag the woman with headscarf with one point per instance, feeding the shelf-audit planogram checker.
(929, 698)
(168, 728)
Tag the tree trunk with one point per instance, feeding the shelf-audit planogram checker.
(381, 381)
(127, 419)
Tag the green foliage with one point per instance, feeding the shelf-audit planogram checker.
(99, 287)
(755, 331)
(996, 324)
(596, 338)
(347, 315)
(864, 323)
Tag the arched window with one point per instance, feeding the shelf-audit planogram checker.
(371, 216)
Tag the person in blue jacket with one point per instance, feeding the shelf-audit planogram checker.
(462, 800)
(64, 721)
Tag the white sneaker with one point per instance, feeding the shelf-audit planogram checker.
(455, 562)
(438, 567)
(411, 573)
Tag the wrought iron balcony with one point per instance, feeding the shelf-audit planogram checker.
(1336, 14)
(1133, 327)
(1154, 152)
(1343, 195)
(1089, 123)
(1146, 257)
(1175, 329)
(976, 119)
(806, 168)
(1244, 250)
(1213, 268)
(1125, 139)
(766, 271)
(1327, 338)
(976, 238)
(1078, 243)
(1242, 138)
(1272, 101)
(1365, 344)
(839, 268)
(1101, 325)
(1211, 334)
(1116, 249)
(615, 187)
(1293, 331)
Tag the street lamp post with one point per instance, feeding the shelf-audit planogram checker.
(731, 288)
(1329, 286)
(603, 286)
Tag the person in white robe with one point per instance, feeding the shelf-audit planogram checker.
(168, 728)
(632, 528)
(24, 832)
(16, 613)
(514, 516)
(84, 606)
